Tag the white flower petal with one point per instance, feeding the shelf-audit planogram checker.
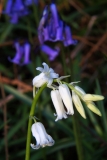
(39, 80)
(35, 146)
(54, 75)
(56, 99)
(49, 82)
(78, 104)
(40, 69)
(66, 97)
(51, 141)
(46, 67)
(51, 70)
(36, 135)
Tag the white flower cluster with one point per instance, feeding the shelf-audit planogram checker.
(61, 96)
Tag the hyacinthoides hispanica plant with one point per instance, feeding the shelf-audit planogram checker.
(60, 96)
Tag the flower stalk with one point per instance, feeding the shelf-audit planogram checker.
(32, 111)
(77, 134)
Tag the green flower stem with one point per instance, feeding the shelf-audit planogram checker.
(78, 137)
(32, 111)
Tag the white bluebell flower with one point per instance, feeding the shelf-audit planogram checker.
(41, 136)
(59, 107)
(66, 97)
(46, 76)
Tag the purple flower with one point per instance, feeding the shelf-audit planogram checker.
(52, 28)
(15, 10)
(14, 18)
(27, 48)
(57, 34)
(18, 56)
(54, 14)
(8, 7)
(22, 54)
(52, 53)
(41, 25)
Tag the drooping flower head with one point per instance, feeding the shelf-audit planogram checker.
(22, 54)
(66, 97)
(52, 28)
(41, 136)
(15, 10)
(59, 107)
(46, 76)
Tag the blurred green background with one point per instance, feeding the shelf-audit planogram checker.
(85, 62)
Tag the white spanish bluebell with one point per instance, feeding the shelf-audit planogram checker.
(41, 136)
(66, 97)
(59, 107)
(46, 76)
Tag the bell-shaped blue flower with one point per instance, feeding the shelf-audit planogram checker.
(22, 54)
(15, 10)
(52, 28)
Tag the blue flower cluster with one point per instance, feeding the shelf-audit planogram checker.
(51, 28)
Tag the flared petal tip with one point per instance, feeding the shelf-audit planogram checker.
(35, 146)
(16, 61)
(51, 143)
(58, 118)
(70, 113)
(70, 42)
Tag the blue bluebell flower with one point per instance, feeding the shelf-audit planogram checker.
(52, 28)
(15, 10)
(22, 54)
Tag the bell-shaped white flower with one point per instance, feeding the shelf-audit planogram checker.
(66, 97)
(57, 101)
(41, 136)
(78, 104)
(46, 76)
